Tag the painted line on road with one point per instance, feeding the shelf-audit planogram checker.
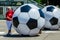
(50, 32)
(2, 33)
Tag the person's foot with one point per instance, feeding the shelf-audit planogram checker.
(8, 34)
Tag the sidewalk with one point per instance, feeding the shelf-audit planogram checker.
(46, 35)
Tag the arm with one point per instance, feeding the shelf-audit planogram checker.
(9, 18)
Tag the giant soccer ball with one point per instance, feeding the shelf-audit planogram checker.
(52, 17)
(27, 20)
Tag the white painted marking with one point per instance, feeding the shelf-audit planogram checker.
(2, 33)
(50, 31)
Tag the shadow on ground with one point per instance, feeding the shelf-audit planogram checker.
(47, 29)
(19, 35)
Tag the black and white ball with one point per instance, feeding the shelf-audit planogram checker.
(52, 17)
(27, 20)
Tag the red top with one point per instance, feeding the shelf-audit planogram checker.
(9, 14)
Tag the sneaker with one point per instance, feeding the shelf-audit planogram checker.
(8, 34)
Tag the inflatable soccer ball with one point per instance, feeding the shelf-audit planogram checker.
(27, 20)
(52, 17)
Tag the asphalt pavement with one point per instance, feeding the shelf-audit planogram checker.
(46, 35)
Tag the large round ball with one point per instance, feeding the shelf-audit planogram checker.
(52, 17)
(27, 20)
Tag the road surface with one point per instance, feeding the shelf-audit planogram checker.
(46, 35)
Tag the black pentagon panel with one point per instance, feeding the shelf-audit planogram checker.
(15, 22)
(53, 21)
(50, 9)
(25, 8)
(41, 13)
(32, 23)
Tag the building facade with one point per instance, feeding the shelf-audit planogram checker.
(13, 3)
